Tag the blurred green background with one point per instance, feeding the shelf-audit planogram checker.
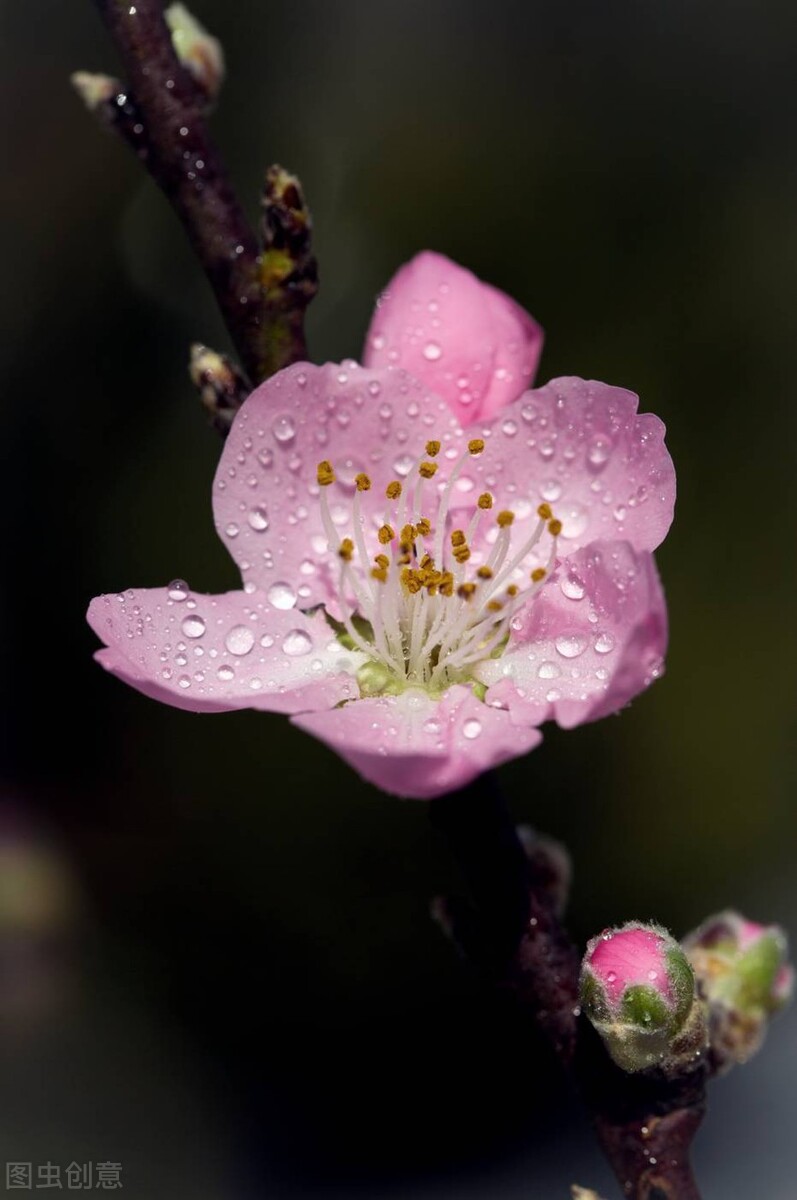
(236, 990)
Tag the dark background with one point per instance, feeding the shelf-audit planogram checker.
(217, 964)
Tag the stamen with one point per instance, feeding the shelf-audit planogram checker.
(346, 549)
(475, 446)
(393, 490)
(325, 474)
(538, 574)
(386, 535)
(484, 573)
(363, 482)
(427, 470)
(485, 500)
(505, 518)
(555, 528)
(432, 449)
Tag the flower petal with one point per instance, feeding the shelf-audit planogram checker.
(216, 653)
(582, 447)
(265, 495)
(465, 340)
(591, 640)
(414, 746)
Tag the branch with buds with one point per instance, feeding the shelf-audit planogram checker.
(174, 72)
(641, 1023)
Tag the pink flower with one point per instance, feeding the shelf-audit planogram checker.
(419, 597)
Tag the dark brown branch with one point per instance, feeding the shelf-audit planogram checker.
(512, 934)
(162, 116)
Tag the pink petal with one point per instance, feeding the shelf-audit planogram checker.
(216, 653)
(581, 447)
(626, 957)
(265, 495)
(414, 746)
(591, 640)
(464, 339)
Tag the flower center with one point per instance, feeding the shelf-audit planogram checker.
(420, 613)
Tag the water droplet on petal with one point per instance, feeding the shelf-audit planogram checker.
(193, 626)
(570, 645)
(284, 429)
(231, 529)
(239, 640)
(509, 427)
(472, 728)
(551, 490)
(184, 682)
(258, 518)
(432, 351)
(403, 464)
(297, 642)
(604, 643)
(225, 673)
(574, 518)
(549, 670)
(599, 451)
(178, 590)
(281, 595)
(572, 587)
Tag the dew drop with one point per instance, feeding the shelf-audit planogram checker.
(178, 590)
(472, 728)
(284, 429)
(193, 626)
(572, 587)
(266, 641)
(599, 451)
(551, 490)
(281, 595)
(184, 682)
(403, 464)
(509, 427)
(604, 643)
(432, 351)
(548, 670)
(258, 518)
(225, 673)
(296, 643)
(570, 645)
(574, 518)
(231, 529)
(265, 457)
(239, 640)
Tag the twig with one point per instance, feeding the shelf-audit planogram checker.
(160, 112)
(512, 934)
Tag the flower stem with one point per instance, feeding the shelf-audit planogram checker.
(161, 115)
(512, 934)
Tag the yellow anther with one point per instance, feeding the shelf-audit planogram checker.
(475, 446)
(457, 537)
(427, 469)
(537, 574)
(447, 584)
(431, 587)
(485, 500)
(424, 527)
(413, 583)
(545, 512)
(404, 559)
(466, 590)
(462, 554)
(393, 490)
(386, 535)
(325, 474)
(346, 549)
(382, 561)
(555, 527)
(512, 590)
(379, 573)
(408, 535)
(427, 561)
(363, 482)
(505, 518)
(432, 449)
(485, 573)
(494, 606)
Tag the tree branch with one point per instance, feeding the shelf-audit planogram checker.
(511, 932)
(160, 112)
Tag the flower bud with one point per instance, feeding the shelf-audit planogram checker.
(638, 990)
(196, 49)
(743, 972)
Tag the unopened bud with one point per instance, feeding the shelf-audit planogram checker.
(638, 990)
(94, 90)
(221, 384)
(196, 49)
(743, 971)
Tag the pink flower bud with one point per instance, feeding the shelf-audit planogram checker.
(743, 972)
(638, 990)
